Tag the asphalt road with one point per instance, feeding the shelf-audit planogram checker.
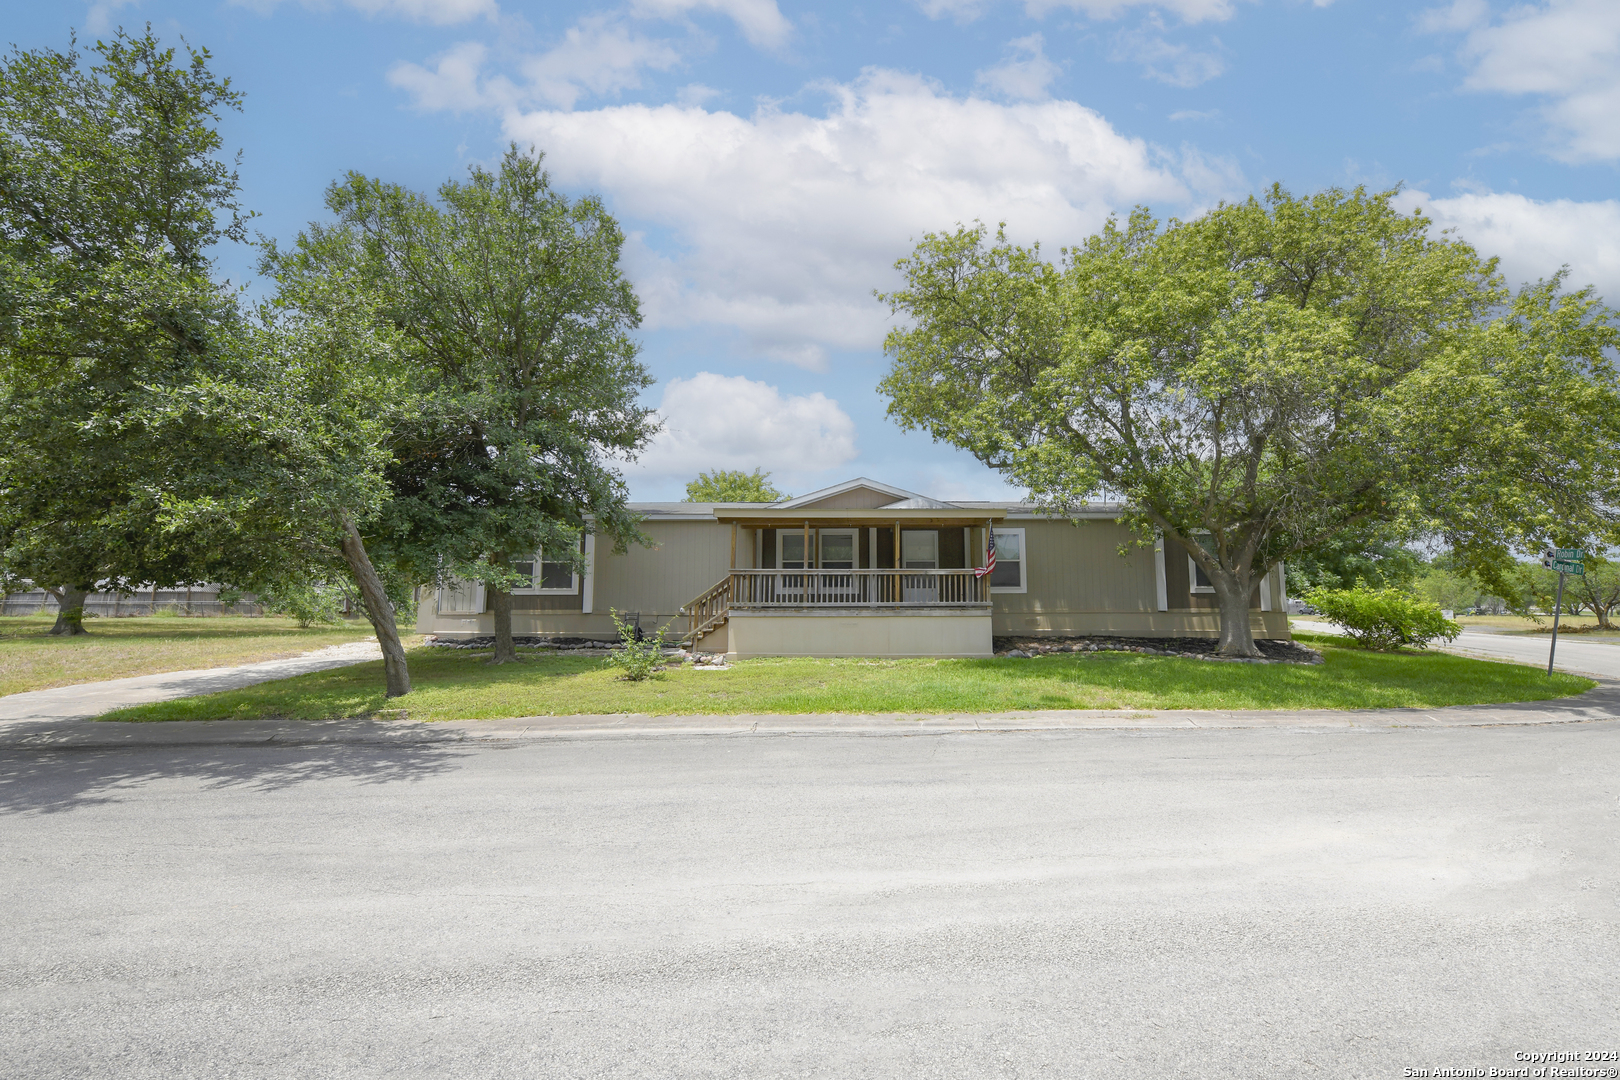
(1091, 904)
(1574, 654)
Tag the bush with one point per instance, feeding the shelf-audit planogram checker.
(637, 658)
(1383, 619)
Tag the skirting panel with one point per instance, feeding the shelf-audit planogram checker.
(952, 634)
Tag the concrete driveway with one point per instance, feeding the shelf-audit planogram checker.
(1193, 903)
(92, 699)
(1583, 657)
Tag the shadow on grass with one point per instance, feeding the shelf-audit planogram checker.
(55, 780)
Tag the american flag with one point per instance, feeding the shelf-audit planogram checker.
(990, 556)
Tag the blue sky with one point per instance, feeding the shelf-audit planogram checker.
(770, 159)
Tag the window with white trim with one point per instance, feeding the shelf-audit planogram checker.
(1197, 580)
(1009, 575)
(546, 576)
(459, 597)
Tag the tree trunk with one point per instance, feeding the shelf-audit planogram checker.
(374, 599)
(69, 610)
(1237, 637)
(500, 604)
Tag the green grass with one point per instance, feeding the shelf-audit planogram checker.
(115, 648)
(459, 685)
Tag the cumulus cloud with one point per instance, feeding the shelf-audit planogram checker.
(452, 86)
(732, 422)
(1189, 11)
(1024, 74)
(1566, 52)
(597, 56)
(760, 21)
(1535, 238)
(787, 221)
(1167, 61)
(441, 12)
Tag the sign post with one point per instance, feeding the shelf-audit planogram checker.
(1565, 561)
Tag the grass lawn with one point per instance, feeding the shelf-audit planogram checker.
(1584, 625)
(114, 648)
(458, 685)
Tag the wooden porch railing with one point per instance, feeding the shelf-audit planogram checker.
(856, 588)
(876, 590)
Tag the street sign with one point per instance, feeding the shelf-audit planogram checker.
(1565, 561)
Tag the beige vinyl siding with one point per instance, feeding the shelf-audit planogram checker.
(1079, 568)
(687, 558)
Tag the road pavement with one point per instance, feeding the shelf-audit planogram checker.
(1582, 657)
(1166, 903)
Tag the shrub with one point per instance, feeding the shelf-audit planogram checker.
(1383, 619)
(637, 658)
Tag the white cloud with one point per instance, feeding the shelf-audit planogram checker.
(1535, 238)
(732, 422)
(597, 56)
(1026, 72)
(99, 19)
(1188, 11)
(1177, 65)
(1195, 114)
(1458, 15)
(1566, 51)
(761, 22)
(451, 87)
(788, 221)
(441, 12)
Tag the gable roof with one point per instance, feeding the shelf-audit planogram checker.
(866, 494)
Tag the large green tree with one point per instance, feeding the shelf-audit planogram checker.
(516, 320)
(112, 193)
(1259, 380)
(733, 485)
(278, 452)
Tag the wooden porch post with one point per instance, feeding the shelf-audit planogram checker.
(807, 545)
(734, 545)
(897, 545)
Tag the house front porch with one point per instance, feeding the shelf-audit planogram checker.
(844, 612)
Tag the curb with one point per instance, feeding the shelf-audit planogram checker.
(1599, 705)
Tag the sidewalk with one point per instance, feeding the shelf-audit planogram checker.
(1598, 705)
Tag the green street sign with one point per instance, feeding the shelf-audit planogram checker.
(1568, 566)
(1569, 554)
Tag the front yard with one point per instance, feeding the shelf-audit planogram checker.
(459, 685)
(115, 648)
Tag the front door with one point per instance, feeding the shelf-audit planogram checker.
(919, 550)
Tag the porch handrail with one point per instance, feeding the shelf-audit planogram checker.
(708, 609)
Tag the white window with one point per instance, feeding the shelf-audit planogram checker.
(458, 597)
(546, 576)
(1200, 580)
(1009, 576)
(919, 549)
(835, 548)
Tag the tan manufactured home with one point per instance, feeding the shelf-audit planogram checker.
(889, 573)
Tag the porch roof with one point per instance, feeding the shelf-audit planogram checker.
(779, 517)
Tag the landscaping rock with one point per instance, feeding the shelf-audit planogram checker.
(1274, 652)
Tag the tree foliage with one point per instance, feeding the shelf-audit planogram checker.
(515, 320)
(733, 485)
(1257, 381)
(111, 195)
